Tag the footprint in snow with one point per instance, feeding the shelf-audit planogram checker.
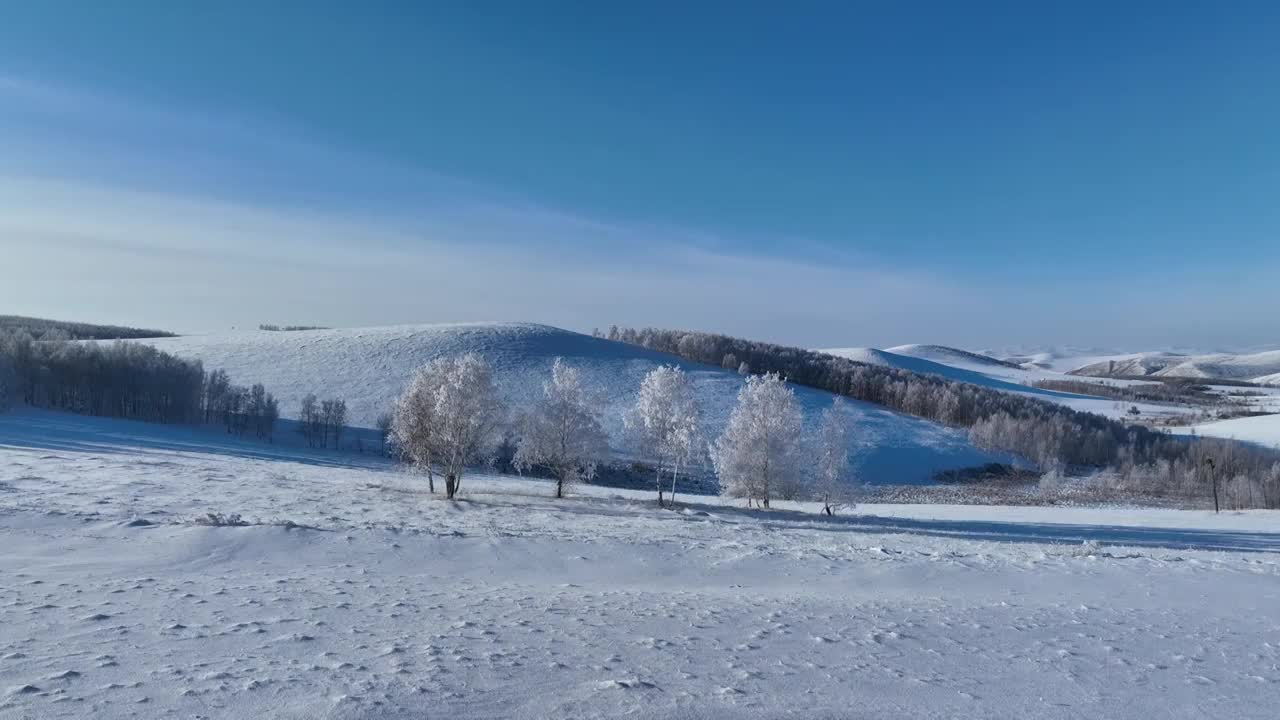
(628, 684)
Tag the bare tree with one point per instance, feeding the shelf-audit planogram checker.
(333, 419)
(309, 419)
(383, 424)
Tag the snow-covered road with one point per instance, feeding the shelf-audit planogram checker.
(394, 604)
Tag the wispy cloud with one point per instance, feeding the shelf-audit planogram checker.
(119, 211)
(115, 245)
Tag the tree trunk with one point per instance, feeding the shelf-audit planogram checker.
(450, 485)
(559, 486)
(674, 473)
(658, 479)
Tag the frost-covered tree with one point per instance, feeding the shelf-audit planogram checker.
(665, 423)
(449, 418)
(760, 446)
(831, 482)
(412, 420)
(562, 431)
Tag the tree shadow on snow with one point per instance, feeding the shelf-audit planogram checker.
(57, 432)
(999, 530)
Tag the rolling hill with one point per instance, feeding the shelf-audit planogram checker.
(1262, 367)
(368, 367)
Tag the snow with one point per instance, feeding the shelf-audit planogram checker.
(1256, 367)
(353, 594)
(370, 367)
(1260, 429)
(962, 366)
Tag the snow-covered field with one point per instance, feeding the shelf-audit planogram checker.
(369, 367)
(353, 594)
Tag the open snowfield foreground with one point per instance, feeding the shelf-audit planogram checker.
(351, 593)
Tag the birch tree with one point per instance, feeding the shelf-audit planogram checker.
(449, 418)
(665, 423)
(831, 473)
(562, 432)
(412, 420)
(760, 445)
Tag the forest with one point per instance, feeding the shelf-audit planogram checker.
(41, 329)
(128, 380)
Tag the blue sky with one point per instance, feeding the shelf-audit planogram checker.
(981, 174)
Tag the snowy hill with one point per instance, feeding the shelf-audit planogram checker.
(368, 367)
(966, 367)
(1261, 367)
(951, 356)
(1017, 373)
(1131, 365)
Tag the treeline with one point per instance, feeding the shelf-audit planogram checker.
(41, 329)
(128, 380)
(238, 408)
(119, 379)
(1182, 392)
(290, 328)
(321, 422)
(1056, 438)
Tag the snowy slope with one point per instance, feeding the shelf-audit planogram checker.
(1131, 365)
(1000, 376)
(976, 370)
(369, 367)
(963, 366)
(951, 356)
(1261, 429)
(1255, 367)
(384, 602)
(1227, 366)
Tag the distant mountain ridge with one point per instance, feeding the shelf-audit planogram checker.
(1262, 367)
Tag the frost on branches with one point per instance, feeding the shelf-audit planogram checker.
(562, 433)
(448, 418)
(830, 476)
(760, 447)
(665, 423)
